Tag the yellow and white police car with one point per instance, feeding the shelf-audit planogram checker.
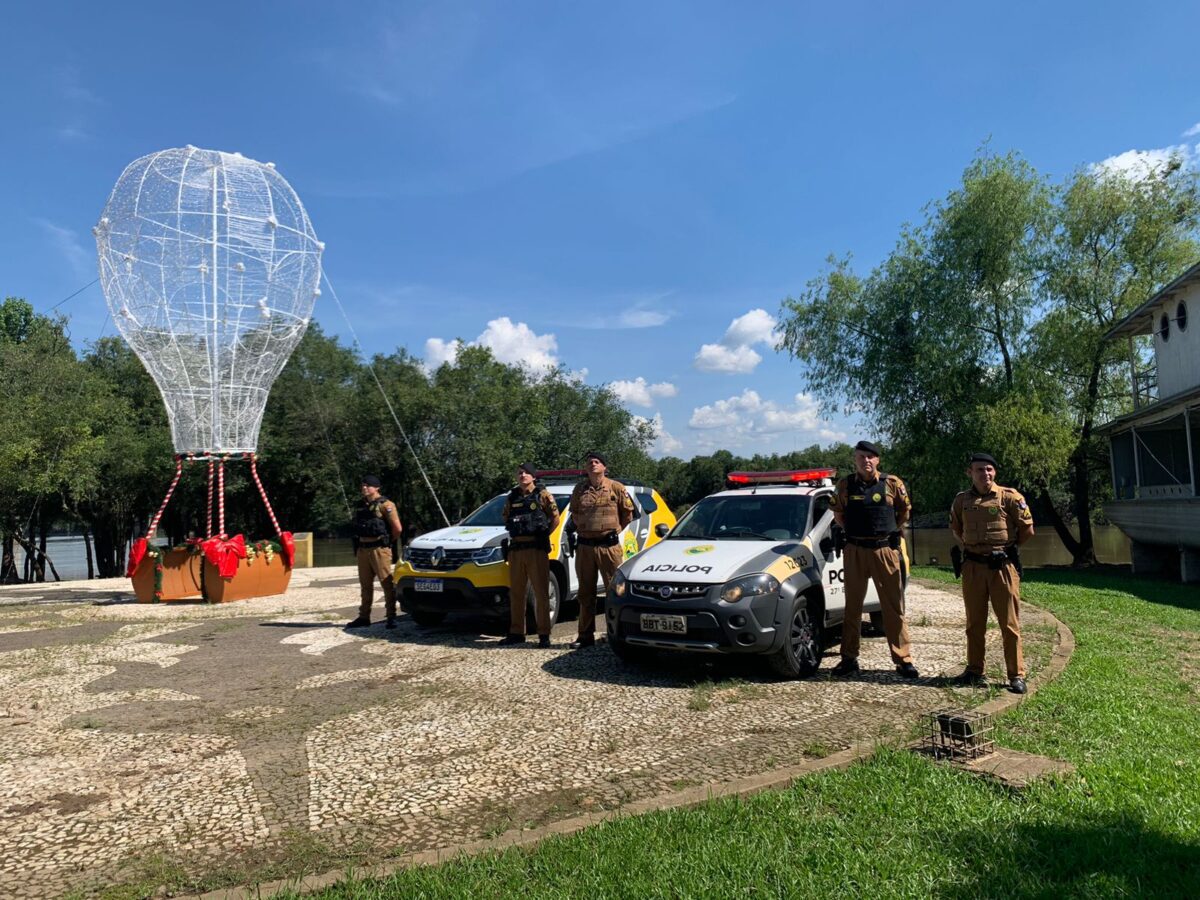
(748, 570)
(462, 568)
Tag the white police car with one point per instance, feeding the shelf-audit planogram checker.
(748, 570)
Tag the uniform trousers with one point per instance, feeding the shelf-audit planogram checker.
(1002, 587)
(590, 561)
(373, 563)
(528, 567)
(882, 566)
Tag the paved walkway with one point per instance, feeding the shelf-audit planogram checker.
(196, 732)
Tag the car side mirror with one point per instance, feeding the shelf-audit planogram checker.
(662, 529)
(826, 546)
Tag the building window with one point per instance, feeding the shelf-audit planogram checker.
(1164, 327)
(1181, 316)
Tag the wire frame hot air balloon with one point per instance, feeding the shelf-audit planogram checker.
(210, 267)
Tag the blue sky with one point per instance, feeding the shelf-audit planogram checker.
(628, 189)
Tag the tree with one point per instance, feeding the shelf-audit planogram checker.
(984, 327)
(1117, 238)
(931, 337)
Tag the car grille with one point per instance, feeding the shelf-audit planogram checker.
(448, 560)
(654, 590)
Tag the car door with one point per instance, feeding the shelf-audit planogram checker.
(820, 529)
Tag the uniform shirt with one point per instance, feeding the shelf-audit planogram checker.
(987, 521)
(585, 498)
(895, 492)
(545, 501)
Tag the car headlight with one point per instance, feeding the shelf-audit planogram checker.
(749, 586)
(618, 583)
(406, 554)
(488, 555)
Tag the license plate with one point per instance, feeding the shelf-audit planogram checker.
(429, 584)
(664, 624)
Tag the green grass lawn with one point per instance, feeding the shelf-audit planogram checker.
(1127, 824)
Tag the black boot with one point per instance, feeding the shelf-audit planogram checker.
(969, 679)
(360, 622)
(1017, 685)
(584, 640)
(543, 640)
(391, 623)
(848, 666)
(510, 639)
(907, 670)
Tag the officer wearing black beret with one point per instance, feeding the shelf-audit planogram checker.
(990, 522)
(530, 515)
(872, 507)
(376, 528)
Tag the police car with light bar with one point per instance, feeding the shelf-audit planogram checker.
(748, 570)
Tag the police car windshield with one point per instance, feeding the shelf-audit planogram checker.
(755, 517)
(492, 512)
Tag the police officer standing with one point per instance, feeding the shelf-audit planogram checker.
(600, 510)
(530, 515)
(871, 507)
(376, 528)
(990, 522)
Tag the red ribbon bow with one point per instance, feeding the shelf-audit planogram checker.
(225, 554)
(137, 552)
(288, 547)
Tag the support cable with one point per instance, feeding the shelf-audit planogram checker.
(386, 399)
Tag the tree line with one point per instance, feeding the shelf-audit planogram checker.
(85, 443)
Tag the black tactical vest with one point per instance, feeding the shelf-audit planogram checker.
(370, 522)
(868, 514)
(526, 518)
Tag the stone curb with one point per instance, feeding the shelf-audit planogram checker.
(742, 787)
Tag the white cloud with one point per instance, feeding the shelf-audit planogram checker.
(67, 243)
(735, 354)
(719, 358)
(515, 344)
(637, 317)
(749, 414)
(1193, 131)
(1140, 163)
(438, 352)
(640, 393)
(756, 326)
(665, 443)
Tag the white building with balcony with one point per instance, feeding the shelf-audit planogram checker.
(1155, 450)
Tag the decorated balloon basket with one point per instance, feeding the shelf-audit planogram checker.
(219, 568)
(210, 268)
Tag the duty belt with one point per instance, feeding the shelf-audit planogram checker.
(378, 543)
(533, 544)
(609, 540)
(868, 543)
(996, 560)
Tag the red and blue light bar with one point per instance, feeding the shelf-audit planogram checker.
(792, 476)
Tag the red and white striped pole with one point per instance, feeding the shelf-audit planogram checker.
(167, 499)
(209, 519)
(263, 492)
(221, 500)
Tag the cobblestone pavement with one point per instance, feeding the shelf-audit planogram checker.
(201, 731)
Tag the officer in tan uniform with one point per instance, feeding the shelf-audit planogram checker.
(872, 507)
(376, 528)
(530, 515)
(600, 510)
(990, 522)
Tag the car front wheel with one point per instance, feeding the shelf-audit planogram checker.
(800, 655)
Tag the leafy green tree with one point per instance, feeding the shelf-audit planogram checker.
(984, 327)
(1117, 239)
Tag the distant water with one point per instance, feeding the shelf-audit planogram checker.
(1044, 550)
